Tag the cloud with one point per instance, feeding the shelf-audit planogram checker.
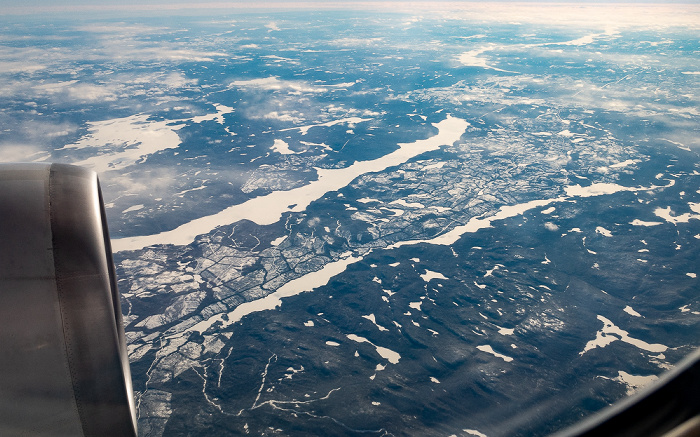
(25, 138)
(62, 91)
(171, 80)
(122, 29)
(275, 84)
(20, 67)
(127, 88)
(12, 152)
(356, 42)
(272, 26)
(165, 52)
(286, 116)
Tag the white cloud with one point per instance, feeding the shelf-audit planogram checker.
(120, 28)
(20, 152)
(356, 42)
(284, 116)
(273, 83)
(272, 26)
(20, 67)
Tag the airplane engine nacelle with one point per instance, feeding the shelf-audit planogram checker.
(64, 369)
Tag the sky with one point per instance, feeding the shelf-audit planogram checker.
(33, 6)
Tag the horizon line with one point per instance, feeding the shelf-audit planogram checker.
(174, 6)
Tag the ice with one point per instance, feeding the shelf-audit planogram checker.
(373, 319)
(434, 379)
(181, 193)
(473, 58)
(133, 208)
(396, 212)
(628, 309)
(268, 209)
(602, 231)
(679, 145)
(490, 272)
(587, 39)
(488, 349)
(126, 140)
(478, 223)
(402, 202)
(597, 189)
(611, 333)
(432, 166)
(218, 116)
(299, 285)
(278, 241)
(668, 215)
(505, 331)
(637, 222)
(351, 121)
(385, 353)
(429, 274)
(332, 343)
(282, 147)
(415, 305)
(634, 382)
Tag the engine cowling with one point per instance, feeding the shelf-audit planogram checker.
(64, 368)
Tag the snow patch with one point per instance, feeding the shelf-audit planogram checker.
(489, 350)
(637, 222)
(628, 309)
(611, 333)
(634, 382)
(387, 354)
(429, 274)
(602, 231)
